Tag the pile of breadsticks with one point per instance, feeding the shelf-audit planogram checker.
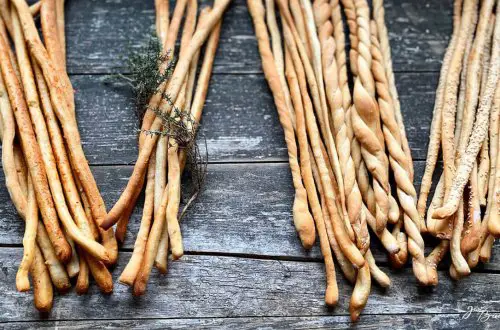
(342, 142)
(464, 212)
(46, 172)
(161, 159)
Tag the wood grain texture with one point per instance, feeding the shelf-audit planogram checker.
(417, 321)
(213, 286)
(100, 34)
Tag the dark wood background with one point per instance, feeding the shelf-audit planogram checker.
(244, 267)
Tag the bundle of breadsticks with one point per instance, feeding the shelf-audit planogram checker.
(46, 172)
(168, 128)
(464, 211)
(342, 142)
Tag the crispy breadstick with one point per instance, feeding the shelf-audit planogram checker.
(433, 259)
(100, 273)
(162, 19)
(9, 166)
(35, 8)
(478, 133)
(298, 17)
(151, 247)
(60, 28)
(82, 282)
(130, 272)
(340, 230)
(33, 154)
(73, 266)
(58, 94)
(360, 293)
(366, 119)
(470, 235)
(42, 286)
(322, 221)
(435, 131)
(350, 13)
(398, 159)
(174, 86)
(491, 216)
(376, 273)
(304, 223)
(29, 240)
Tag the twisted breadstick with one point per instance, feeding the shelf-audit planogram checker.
(366, 119)
(435, 131)
(398, 160)
(478, 133)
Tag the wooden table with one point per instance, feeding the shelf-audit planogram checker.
(244, 266)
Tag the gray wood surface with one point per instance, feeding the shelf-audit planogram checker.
(244, 267)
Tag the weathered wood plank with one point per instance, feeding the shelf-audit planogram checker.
(211, 286)
(245, 209)
(101, 34)
(239, 121)
(418, 321)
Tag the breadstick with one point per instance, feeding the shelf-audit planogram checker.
(298, 17)
(379, 16)
(435, 131)
(29, 240)
(9, 166)
(100, 273)
(376, 273)
(173, 89)
(331, 295)
(433, 259)
(42, 286)
(399, 259)
(51, 35)
(58, 96)
(82, 282)
(130, 272)
(340, 230)
(334, 94)
(35, 8)
(478, 133)
(162, 19)
(470, 239)
(73, 266)
(360, 293)
(398, 159)
(60, 28)
(366, 119)
(33, 154)
(151, 247)
(350, 13)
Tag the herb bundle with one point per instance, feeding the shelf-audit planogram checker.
(170, 98)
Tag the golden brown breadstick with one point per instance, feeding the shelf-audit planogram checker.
(29, 240)
(73, 266)
(33, 154)
(433, 259)
(60, 28)
(130, 272)
(479, 131)
(361, 292)
(58, 94)
(82, 282)
(376, 273)
(174, 86)
(8, 163)
(100, 273)
(435, 131)
(42, 286)
(298, 17)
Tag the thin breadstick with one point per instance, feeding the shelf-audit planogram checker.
(29, 240)
(56, 186)
(33, 154)
(58, 94)
(82, 282)
(304, 223)
(340, 230)
(366, 119)
(485, 252)
(151, 247)
(130, 272)
(8, 163)
(376, 273)
(435, 131)
(35, 8)
(459, 263)
(361, 292)
(331, 295)
(174, 86)
(73, 266)
(42, 286)
(298, 17)
(100, 273)
(350, 13)
(57, 270)
(492, 216)
(162, 19)
(470, 239)
(483, 172)
(60, 28)
(434, 258)
(399, 259)
(479, 131)
(398, 159)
